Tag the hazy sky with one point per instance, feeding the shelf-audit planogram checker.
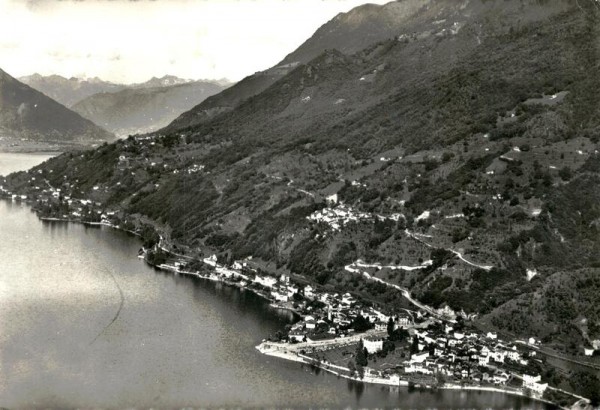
(131, 41)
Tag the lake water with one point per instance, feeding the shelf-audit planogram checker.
(85, 323)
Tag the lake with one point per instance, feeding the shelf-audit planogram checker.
(84, 323)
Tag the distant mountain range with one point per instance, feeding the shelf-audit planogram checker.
(69, 91)
(127, 109)
(145, 107)
(27, 114)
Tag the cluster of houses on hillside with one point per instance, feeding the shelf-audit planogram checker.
(335, 216)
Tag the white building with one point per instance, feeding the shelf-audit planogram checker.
(533, 383)
(513, 355)
(266, 281)
(280, 297)
(332, 199)
(403, 319)
(373, 345)
(212, 260)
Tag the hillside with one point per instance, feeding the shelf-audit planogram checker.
(145, 107)
(28, 115)
(347, 33)
(69, 91)
(458, 160)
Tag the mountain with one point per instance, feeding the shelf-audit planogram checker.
(145, 107)
(458, 159)
(69, 91)
(164, 81)
(27, 114)
(347, 32)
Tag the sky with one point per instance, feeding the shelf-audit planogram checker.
(129, 41)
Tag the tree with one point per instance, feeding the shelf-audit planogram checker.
(440, 378)
(361, 371)
(588, 385)
(390, 328)
(361, 354)
(351, 367)
(361, 324)
(565, 173)
(414, 347)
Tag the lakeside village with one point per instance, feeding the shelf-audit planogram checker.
(423, 348)
(415, 348)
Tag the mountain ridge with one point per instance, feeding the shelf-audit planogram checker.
(69, 91)
(27, 114)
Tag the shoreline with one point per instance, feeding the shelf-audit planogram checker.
(173, 269)
(289, 356)
(369, 379)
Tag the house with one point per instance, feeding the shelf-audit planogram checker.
(425, 336)
(403, 319)
(309, 292)
(380, 326)
(373, 345)
(539, 388)
(280, 297)
(500, 377)
(227, 273)
(348, 299)
(417, 368)
(498, 356)
(311, 324)
(459, 336)
(419, 358)
(212, 260)
(296, 336)
(588, 352)
(513, 354)
(265, 281)
(528, 380)
(533, 383)
(332, 199)
(292, 289)
(395, 379)
(483, 360)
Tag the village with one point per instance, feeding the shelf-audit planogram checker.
(346, 336)
(338, 332)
